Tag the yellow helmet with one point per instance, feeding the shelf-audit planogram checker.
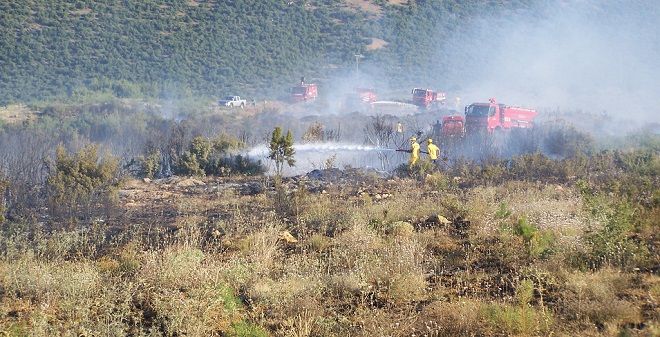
(429, 140)
(413, 139)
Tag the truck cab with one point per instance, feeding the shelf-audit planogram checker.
(304, 92)
(233, 101)
(423, 98)
(492, 116)
(453, 127)
(366, 95)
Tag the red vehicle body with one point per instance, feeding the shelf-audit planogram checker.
(304, 92)
(366, 95)
(425, 97)
(453, 127)
(491, 117)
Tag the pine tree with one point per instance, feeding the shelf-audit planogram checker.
(281, 150)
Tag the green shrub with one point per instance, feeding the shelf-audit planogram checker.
(247, 329)
(281, 149)
(613, 244)
(562, 139)
(537, 243)
(81, 184)
(502, 212)
(190, 165)
(150, 165)
(437, 181)
(515, 320)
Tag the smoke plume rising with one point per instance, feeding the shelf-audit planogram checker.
(594, 56)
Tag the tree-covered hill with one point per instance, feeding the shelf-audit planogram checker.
(251, 47)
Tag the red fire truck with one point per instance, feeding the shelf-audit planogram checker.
(304, 92)
(492, 116)
(423, 98)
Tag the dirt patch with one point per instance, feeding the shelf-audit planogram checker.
(376, 43)
(365, 6)
(16, 113)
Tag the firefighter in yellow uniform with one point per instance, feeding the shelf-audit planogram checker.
(414, 152)
(432, 150)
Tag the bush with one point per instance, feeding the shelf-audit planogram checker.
(247, 329)
(82, 184)
(522, 242)
(537, 243)
(214, 157)
(613, 245)
(595, 297)
(150, 166)
(562, 139)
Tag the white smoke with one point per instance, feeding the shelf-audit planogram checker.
(316, 155)
(594, 56)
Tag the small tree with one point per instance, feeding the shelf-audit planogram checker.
(281, 150)
(82, 183)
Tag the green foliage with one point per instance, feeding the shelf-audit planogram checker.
(82, 182)
(523, 319)
(281, 150)
(169, 49)
(438, 181)
(613, 244)
(538, 243)
(190, 165)
(150, 165)
(213, 157)
(510, 320)
(231, 302)
(564, 140)
(196, 159)
(502, 212)
(174, 49)
(525, 292)
(247, 329)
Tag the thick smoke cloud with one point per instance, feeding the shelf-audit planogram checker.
(594, 56)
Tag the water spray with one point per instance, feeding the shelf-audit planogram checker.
(262, 150)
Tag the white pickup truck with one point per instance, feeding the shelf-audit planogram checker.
(233, 101)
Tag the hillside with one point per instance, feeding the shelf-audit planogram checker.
(252, 47)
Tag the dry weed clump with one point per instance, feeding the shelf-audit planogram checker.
(322, 215)
(470, 317)
(34, 279)
(389, 271)
(598, 298)
(459, 318)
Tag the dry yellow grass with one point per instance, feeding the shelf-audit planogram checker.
(360, 267)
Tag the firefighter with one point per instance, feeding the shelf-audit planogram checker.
(414, 152)
(399, 127)
(432, 150)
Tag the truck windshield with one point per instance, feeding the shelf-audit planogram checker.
(229, 98)
(298, 90)
(480, 111)
(419, 92)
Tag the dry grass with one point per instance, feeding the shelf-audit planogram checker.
(376, 44)
(16, 113)
(361, 267)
